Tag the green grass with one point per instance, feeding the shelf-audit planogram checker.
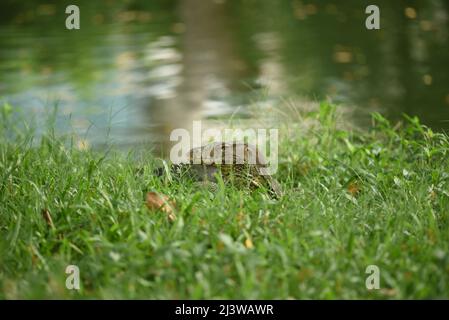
(353, 199)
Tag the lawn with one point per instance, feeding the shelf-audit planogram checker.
(353, 198)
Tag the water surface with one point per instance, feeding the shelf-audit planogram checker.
(138, 69)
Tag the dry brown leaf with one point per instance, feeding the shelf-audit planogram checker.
(47, 217)
(161, 202)
(354, 188)
(343, 56)
(389, 292)
(304, 274)
(249, 243)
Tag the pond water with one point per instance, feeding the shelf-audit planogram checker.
(137, 69)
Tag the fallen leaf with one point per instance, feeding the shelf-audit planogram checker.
(161, 202)
(304, 273)
(410, 13)
(47, 217)
(389, 292)
(249, 243)
(343, 56)
(354, 188)
(427, 79)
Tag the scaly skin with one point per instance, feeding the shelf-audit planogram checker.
(241, 171)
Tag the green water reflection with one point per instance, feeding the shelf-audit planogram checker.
(142, 68)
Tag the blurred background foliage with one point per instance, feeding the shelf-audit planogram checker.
(156, 65)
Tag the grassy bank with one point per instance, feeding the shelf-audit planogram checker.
(352, 199)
